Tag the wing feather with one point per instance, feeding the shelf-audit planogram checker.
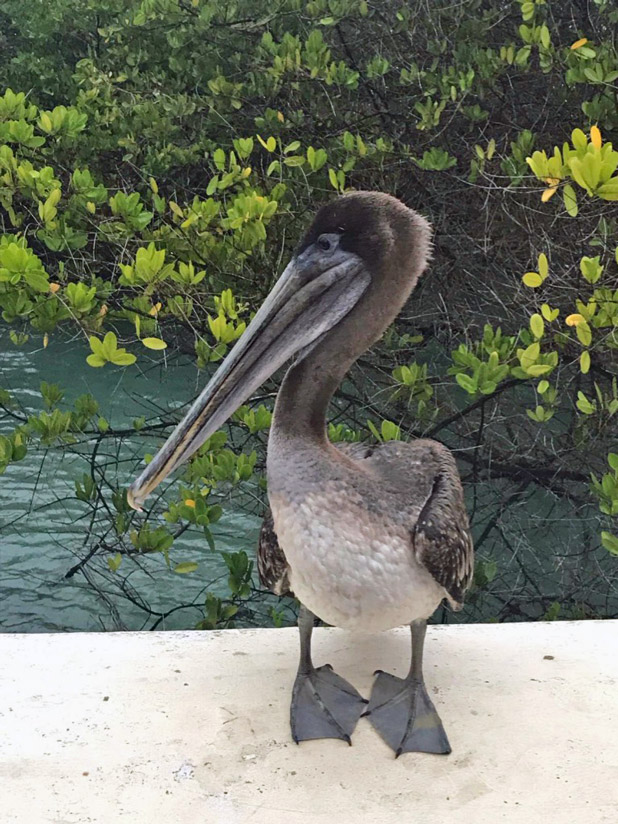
(441, 536)
(272, 565)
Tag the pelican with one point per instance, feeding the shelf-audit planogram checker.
(366, 537)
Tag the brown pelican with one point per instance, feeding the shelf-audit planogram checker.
(367, 538)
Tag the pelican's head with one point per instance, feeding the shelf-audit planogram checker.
(362, 244)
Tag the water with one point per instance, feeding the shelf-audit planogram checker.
(544, 550)
(43, 526)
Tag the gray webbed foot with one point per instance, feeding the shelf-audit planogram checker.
(324, 705)
(402, 712)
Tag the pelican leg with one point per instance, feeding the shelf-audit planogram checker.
(401, 710)
(324, 705)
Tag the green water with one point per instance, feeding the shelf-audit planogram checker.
(42, 525)
(542, 548)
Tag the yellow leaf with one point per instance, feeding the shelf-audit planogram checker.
(103, 310)
(46, 122)
(154, 343)
(532, 279)
(91, 207)
(573, 320)
(155, 309)
(280, 117)
(548, 313)
(185, 567)
(547, 193)
(189, 221)
(537, 369)
(269, 144)
(584, 362)
(537, 327)
(53, 287)
(190, 502)
(543, 265)
(579, 43)
(153, 185)
(45, 340)
(595, 137)
(176, 208)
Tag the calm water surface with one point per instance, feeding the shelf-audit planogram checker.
(42, 525)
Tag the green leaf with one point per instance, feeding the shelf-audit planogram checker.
(548, 313)
(294, 160)
(209, 539)
(109, 345)
(123, 358)
(107, 351)
(610, 542)
(154, 343)
(545, 37)
(538, 369)
(609, 190)
(114, 562)
(37, 280)
(390, 431)
(467, 383)
(543, 265)
(537, 326)
(529, 355)
(570, 200)
(584, 362)
(185, 567)
(45, 122)
(583, 333)
(584, 405)
(591, 268)
(532, 279)
(537, 414)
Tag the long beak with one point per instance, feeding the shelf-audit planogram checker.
(309, 298)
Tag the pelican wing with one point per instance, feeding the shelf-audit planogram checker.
(271, 562)
(427, 498)
(441, 536)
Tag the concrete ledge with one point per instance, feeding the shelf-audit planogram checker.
(188, 728)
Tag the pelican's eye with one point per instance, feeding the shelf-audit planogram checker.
(324, 243)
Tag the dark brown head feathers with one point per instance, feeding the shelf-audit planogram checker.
(375, 226)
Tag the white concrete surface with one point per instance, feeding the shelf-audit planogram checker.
(192, 728)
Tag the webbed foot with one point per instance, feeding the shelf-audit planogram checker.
(324, 705)
(402, 712)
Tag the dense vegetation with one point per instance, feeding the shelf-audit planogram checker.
(158, 161)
